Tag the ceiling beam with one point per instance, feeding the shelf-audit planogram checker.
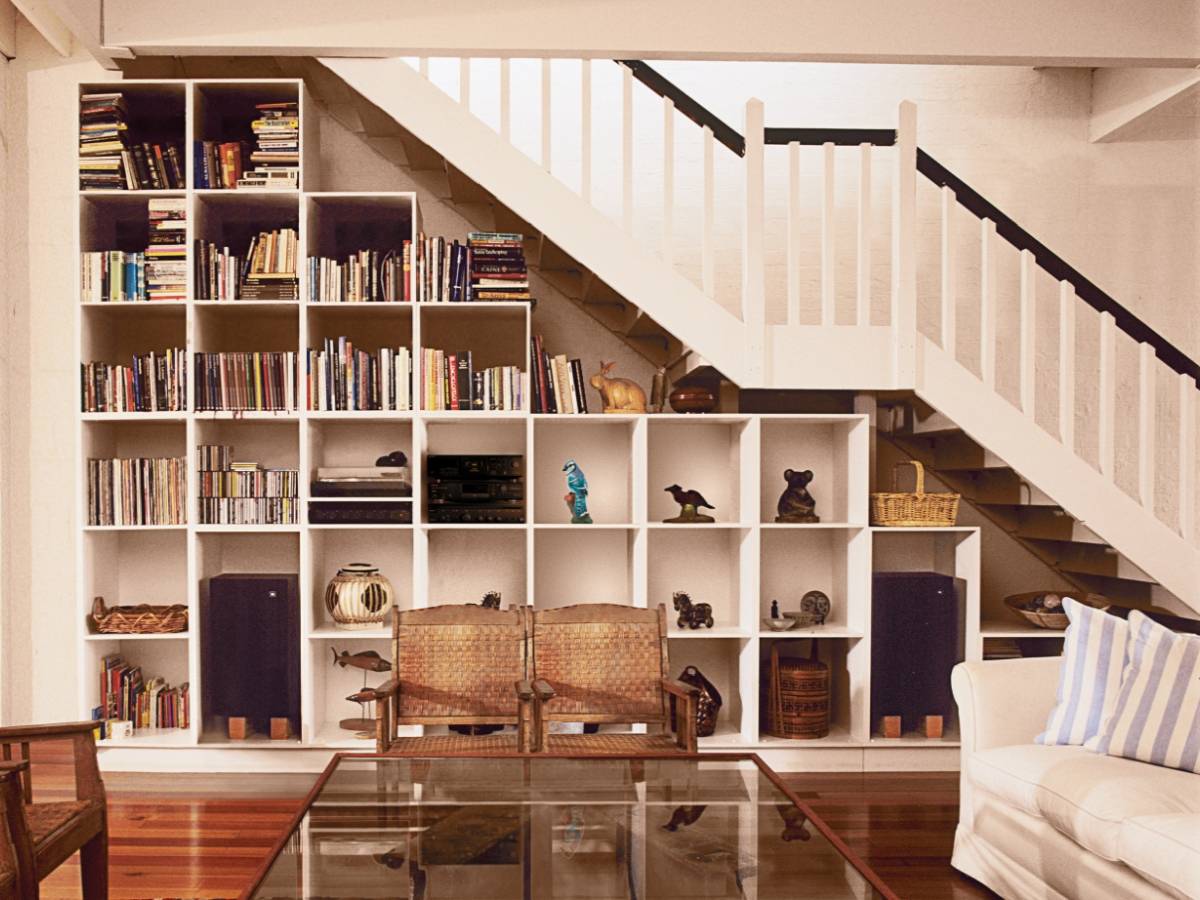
(1122, 97)
(42, 16)
(8, 29)
(1014, 32)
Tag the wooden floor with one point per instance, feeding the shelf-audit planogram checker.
(204, 836)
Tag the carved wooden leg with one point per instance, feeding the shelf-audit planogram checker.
(93, 865)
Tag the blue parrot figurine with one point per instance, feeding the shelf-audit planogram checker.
(577, 498)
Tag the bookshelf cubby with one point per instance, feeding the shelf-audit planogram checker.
(736, 564)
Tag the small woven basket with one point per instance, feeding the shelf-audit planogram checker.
(141, 619)
(1056, 619)
(797, 696)
(915, 509)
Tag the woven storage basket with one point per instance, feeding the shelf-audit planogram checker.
(903, 509)
(797, 696)
(139, 619)
(1046, 619)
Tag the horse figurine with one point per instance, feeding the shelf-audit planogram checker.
(692, 615)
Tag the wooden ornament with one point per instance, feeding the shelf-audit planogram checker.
(281, 729)
(238, 728)
(933, 726)
(890, 726)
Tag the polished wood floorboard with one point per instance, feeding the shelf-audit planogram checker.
(204, 836)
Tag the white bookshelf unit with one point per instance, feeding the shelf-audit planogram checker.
(738, 564)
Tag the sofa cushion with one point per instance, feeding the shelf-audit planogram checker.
(1164, 850)
(1090, 676)
(1084, 795)
(1156, 718)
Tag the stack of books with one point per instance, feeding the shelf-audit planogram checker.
(217, 272)
(243, 493)
(558, 382)
(246, 381)
(368, 276)
(276, 157)
(166, 257)
(269, 270)
(497, 266)
(341, 376)
(449, 381)
(154, 382)
(129, 703)
(137, 491)
(112, 276)
(109, 159)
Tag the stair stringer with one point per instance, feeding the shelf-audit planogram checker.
(1074, 484)
(535, 195)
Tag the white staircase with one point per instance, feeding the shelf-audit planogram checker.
(766, 344)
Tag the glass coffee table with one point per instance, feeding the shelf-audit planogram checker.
(634, 828)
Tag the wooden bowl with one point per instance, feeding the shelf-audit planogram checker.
(1057, 619)
(693, 399)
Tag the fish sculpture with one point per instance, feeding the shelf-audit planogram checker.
(368, 660)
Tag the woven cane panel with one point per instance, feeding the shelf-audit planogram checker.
(484, 744)
(459, 670)
(611, 743)
(601, 668)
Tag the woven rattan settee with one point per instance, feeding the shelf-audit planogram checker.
(595, 663)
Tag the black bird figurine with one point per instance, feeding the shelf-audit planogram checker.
(689, 502)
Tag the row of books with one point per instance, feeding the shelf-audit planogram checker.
(557, 382)
(246, 381)
(341, 376)
(109, 157)
(138, 491)
(126, 696)
(218, 272)
(449, 381)
(368, 276)
(273, 162)
(243, 493)
(152, 382)
(269, 271)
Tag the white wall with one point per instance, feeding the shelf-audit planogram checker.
(5, 317)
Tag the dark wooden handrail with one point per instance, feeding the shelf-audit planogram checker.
(967, 196)
(1056, 266)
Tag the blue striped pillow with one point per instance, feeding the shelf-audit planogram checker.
(1092, 662)
(1157, 714)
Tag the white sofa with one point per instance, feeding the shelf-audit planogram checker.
(1063, 822)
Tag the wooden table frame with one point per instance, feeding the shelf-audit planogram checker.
(811, 817)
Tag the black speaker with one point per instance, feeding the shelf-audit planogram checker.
(916, 639)
(250, 648)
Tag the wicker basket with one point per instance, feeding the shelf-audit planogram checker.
(901, 509)
(1057, 619)
(797, 696)
(139, 619)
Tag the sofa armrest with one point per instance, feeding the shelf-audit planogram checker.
(1004, 701)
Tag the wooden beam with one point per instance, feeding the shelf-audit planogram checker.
(43, 16)
(8, 29)
(1125, 97)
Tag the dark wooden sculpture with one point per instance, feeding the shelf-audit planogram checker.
(690, 502)
(367, 660)
(796, 504)
(691, 615)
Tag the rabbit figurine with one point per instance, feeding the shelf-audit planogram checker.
(620, 395)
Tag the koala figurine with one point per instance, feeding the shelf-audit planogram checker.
(796, 504)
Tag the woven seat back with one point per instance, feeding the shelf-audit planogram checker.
(605, 661)
(458, 662)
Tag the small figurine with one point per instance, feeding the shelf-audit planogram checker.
(395, 459)
(491, 600)
(577, 495)
(689, 502)
(367, 660)
(796, 504)
(814, 608)
(775, 609)
(620, 395)
(658, 390)
(692, 615)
